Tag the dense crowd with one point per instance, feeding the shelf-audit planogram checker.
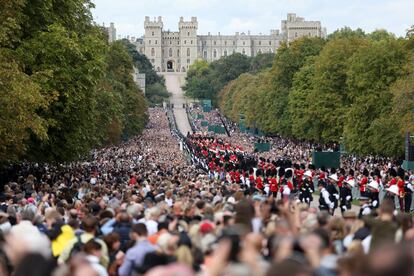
(140, 208)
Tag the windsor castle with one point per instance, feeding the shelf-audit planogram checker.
(176, 51)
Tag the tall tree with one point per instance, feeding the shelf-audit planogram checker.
(289, 59)
(372, 70)
(20, 99)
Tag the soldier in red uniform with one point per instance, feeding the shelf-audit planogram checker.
(363, 184)
(273, 187)
(401, 190)
(259, 182)
(393, 181)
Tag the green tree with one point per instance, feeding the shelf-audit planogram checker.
(372, 70)
(198, 81)
(347, 33)
(261, 62)
(76, 65)
(156, 93)
(143, 64)
(20, 100)
(330, 93)
(289, 59)
(300, 105)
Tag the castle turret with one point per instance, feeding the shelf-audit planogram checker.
(188, 42)
(153, 41)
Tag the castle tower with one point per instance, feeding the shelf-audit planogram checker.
(188, 42)
(153, 41)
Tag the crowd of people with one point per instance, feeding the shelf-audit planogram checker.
(140, 208)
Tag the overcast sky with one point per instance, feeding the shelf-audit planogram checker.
(258, 16)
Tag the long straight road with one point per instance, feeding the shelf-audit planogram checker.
(174, 82)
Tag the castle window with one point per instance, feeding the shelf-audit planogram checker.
(178, 42)
(270, 42)
(234, 42)
(152, 33)
(205, 54)
(150, 42)
(156, 41)
(152, 52)
(215, 53)
(188, 33)
(225, 53)
(260, 43)
(188, 61)
(243, 52)
(191, 42)
(214, 43)
(185, 41)
(244, 43)
(170, 52)
(225, 42)
(188, 52)
(170, 42)
(178, 52)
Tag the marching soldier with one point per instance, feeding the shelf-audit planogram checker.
(325, 203)
(305, 194)
(345, 192)
(373, 188)
(363, 184)
(333, 192)
(401, 189)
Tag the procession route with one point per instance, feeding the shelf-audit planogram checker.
(174, 82)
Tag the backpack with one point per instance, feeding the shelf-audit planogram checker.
(77, 247)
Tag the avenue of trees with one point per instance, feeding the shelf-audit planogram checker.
(64, 89)
(353, 88)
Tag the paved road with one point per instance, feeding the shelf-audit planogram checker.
(174, 82)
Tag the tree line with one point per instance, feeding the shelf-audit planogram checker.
(64, 88)
(205, 80)
(353, 88)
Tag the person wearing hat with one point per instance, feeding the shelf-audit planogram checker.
(363, 184)
(401, 190)
(273, 185)
(373, 187)
(408, 194)
(259, 181)
(325, 203)
(366, 207)
(333, 192)
(305, 194)
(345, 192)
(287, 185)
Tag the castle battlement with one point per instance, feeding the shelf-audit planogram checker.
(193, 24)
(156, 23)
(176, 51)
